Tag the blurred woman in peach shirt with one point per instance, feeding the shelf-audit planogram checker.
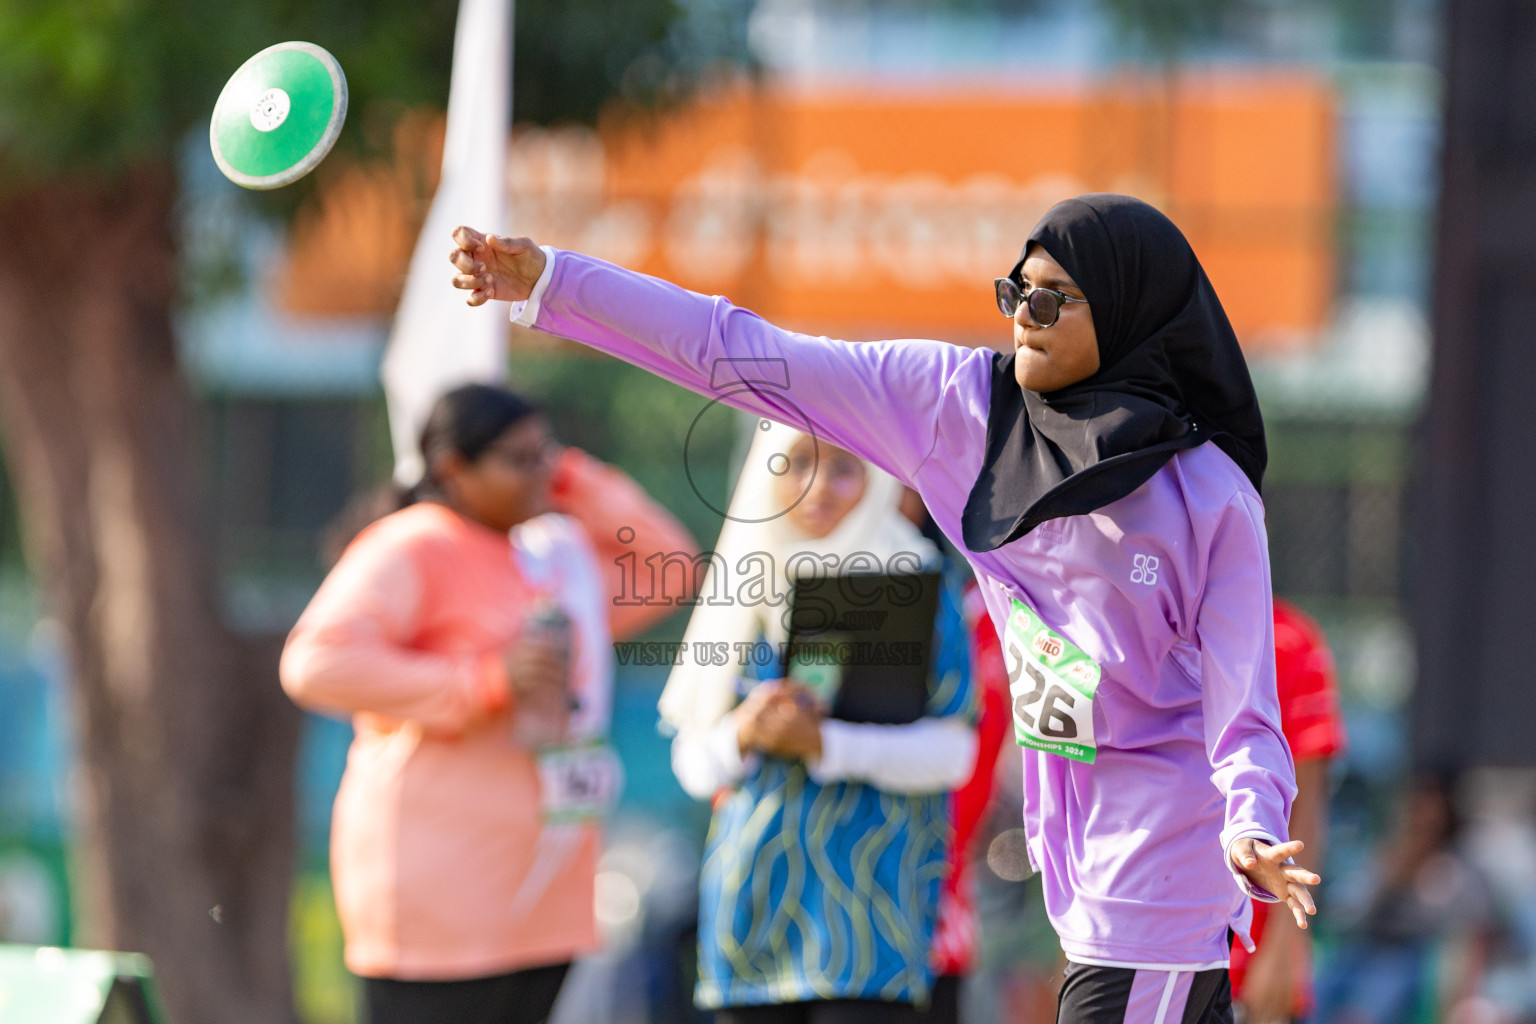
(465, 834)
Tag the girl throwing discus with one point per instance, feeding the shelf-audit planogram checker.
(1103, 480)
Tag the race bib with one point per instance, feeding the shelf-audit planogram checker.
(1053, 684)
(579, 783)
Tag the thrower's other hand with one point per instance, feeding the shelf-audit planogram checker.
(1266, 867)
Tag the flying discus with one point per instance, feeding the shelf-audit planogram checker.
(279, 115)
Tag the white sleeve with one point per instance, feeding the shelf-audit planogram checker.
(706, 761)
(525, 313)
(926, 756)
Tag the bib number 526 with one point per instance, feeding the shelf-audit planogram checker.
(1053, 684)
(1046, 707)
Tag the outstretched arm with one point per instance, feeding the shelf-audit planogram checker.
(881, 400)
(1250, 762)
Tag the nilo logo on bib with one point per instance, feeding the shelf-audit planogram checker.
(1053, 684)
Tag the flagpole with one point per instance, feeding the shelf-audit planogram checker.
(437, 342)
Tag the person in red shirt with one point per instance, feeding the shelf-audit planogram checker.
(955, 933)
(956, 930)
(1274, 983)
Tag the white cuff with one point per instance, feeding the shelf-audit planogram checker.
(839, 748)
(1249, 889)
(706, 761)
(929, 755)
(725, 748)
(526, 313)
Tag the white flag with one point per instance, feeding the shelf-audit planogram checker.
(438, 342)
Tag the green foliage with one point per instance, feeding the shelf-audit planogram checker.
(1008, 8)
(1167, 31)
(323, 989)
(572, 55)
(10, 527)
(1365, 27)
(92, 86)
(1168, 28)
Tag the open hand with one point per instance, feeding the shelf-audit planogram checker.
(494, 266)
(1264, 866)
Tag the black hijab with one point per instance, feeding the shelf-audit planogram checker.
(1171, 376)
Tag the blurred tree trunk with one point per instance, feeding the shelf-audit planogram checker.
(1475, 575)
(183, 797)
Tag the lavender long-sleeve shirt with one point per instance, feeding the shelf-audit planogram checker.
(1167, 590)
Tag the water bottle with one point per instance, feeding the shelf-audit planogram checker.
(537, 728)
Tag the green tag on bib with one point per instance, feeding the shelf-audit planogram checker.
(1053, 684)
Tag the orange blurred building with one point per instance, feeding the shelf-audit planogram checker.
(879, 213)
(866, 214)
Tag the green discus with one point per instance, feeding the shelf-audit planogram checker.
(279, 115)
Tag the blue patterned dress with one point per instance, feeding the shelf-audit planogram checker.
(813, 891)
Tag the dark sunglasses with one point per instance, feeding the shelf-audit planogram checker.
(1044, 304)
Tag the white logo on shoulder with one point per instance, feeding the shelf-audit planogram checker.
(1144, 569)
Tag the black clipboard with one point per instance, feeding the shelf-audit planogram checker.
(863, 643)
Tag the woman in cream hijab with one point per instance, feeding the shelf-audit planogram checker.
(826, 850)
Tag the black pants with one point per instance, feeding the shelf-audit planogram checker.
(944, 1009)
(522, 997)
(1120, 995)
